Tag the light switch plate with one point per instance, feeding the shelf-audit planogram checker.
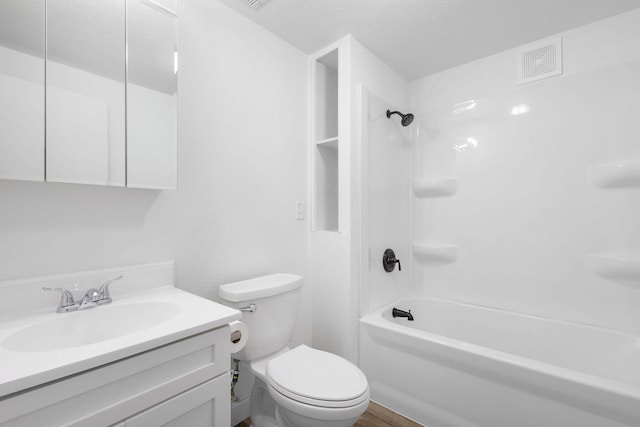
(300, 210)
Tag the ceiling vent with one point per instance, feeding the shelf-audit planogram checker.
(540, 60)
(255, 4)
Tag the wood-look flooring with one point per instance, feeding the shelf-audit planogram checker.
(376, 416)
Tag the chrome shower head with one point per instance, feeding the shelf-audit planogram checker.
(406, 118)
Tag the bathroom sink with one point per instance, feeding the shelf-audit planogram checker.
(38, 345)
(84, 327)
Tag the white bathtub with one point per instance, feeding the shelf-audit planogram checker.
(466, 365)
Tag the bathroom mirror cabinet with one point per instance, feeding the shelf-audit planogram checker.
(89, 92)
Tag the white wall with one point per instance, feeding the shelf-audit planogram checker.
(527, 219)
(242, 167)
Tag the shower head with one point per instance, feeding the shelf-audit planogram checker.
(406, 118)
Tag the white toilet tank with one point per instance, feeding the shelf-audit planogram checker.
(276, 297)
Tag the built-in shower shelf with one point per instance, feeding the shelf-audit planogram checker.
(329, 142)
(617, 267)
(434, 187)
(435, 253)
(616, 175)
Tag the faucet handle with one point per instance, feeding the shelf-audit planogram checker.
(104, 289)
(389, 261)
(66, 298)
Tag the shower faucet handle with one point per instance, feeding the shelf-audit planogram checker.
(389, 261)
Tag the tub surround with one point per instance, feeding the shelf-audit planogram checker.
(435, 253)
(434, 187)
(622, 268)
(523, 223)
(624, 174)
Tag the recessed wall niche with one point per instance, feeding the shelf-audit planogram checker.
(327, 143)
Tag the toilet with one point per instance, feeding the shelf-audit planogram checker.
(299, 387)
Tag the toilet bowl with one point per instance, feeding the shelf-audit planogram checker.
(309, 385)
(300, 387)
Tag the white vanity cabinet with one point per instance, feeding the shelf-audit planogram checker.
(183, 383)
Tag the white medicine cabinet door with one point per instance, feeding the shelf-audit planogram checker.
(85, 98)
(22, 52)
(152, 94)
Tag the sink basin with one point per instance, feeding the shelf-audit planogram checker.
(90, 326)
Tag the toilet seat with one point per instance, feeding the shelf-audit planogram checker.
(317, 378)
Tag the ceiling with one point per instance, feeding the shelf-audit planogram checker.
(422, 37)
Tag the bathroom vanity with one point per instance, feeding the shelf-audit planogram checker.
(155, 356)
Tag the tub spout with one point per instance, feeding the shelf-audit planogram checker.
(396, 312)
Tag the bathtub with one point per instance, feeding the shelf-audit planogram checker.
(465, 365)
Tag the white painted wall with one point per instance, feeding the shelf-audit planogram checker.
(526, 217)
(242, 153)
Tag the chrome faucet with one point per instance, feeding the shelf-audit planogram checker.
(91, 298)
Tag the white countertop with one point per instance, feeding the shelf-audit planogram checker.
(20, 370)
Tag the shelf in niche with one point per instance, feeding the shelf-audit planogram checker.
(329, 142)
(431, 253)
(434, 187)
(616, 175)
(617, 267)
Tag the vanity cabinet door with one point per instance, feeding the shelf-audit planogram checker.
(85, 92)
(184, 380)
(22, 51)
(152, 93)
(203, 406)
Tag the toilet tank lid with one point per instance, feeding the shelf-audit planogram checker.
(259, 287)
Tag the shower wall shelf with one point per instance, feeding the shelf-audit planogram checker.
(434, 187)
(618, 267)
(329, 142)
(616, 175)
(435, 253)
